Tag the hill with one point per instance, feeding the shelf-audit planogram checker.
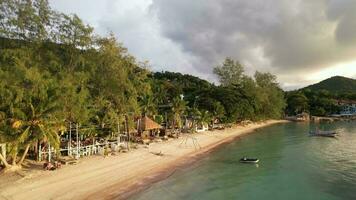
(335, 84)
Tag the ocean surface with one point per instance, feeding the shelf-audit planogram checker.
(292, 165)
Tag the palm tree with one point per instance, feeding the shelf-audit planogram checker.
(195, 114)
(30, 124)
(178, 108)
(218, 112)
(148, 107)
(160, 94)
(205, 118)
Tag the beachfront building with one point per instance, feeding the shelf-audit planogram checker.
(147, 127)
(301, 117)
(347, 107)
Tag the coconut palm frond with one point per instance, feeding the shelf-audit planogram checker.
(50, 110)
(18, 113)
(33, 111)
(24, 135)
(51, 135)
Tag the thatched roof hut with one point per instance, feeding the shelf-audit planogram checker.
(147, 124)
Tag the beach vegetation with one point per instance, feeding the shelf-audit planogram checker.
(56, 72)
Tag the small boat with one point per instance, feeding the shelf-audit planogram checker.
(323, 133)
(249, 160)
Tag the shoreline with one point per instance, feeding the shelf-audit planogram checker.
(122, 176)
(182, 163)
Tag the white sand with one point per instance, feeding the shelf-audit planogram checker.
(116, 176)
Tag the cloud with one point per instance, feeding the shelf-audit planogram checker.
(293, 39)
(136, 26)
(343, 11)
(281, 36)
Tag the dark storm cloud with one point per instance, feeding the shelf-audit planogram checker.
(278, 35)
(301, 41)
(343, 11)
(135, 26)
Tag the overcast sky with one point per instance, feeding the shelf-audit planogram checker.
(301, 41)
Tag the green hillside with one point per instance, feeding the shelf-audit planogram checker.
(335, 84)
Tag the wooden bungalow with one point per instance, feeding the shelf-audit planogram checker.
(147, 127)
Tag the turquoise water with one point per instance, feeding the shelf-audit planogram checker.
(292, 166)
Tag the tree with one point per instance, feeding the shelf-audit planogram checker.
(319, 103)
(148, 107)
(205, 118)
(195, 114)
(270, 96)
(297, 103)
(218, 110)
(229, 98)
(124, 80)
(229, 73)
(75, 97)
(178, 108)
(50, 57)
(31, 106)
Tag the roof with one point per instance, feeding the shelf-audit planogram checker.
(345, 102)
(148, 124)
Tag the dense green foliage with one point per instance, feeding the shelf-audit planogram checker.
(321, 99)
(319, 103)
(239, 99)
(336, 85)
(55, 71)
(230, 72)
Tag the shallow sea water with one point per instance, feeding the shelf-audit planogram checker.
(292, 165)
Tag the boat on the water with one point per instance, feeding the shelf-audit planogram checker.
(249, 160)
(323, 133)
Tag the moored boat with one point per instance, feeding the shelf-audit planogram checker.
(249, 160)
(323, 133)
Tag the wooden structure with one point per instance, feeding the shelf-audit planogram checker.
(302, 117)
(146, 126)
(76, 147)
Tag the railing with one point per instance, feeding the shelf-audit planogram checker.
(80, 151)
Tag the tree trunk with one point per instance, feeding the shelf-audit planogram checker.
(36, 150)
(24, 155)
(14, 158)
(3, 160)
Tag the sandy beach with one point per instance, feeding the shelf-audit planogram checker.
(119, 176)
